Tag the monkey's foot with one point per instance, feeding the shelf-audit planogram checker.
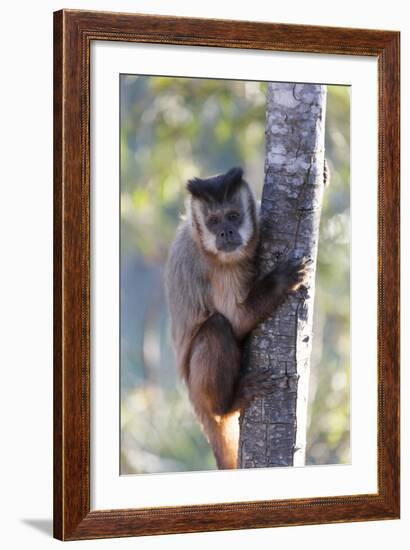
(251, 385)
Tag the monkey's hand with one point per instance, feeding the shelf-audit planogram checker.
(290, 275)
(269, 292)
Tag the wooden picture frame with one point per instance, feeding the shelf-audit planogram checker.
(73, 33)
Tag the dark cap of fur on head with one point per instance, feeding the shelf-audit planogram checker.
(217, 188)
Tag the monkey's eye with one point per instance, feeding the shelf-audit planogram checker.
(213, 220)
(232, 216)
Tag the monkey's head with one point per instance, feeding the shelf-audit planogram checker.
(223, 215)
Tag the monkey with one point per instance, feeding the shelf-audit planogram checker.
(216, 299)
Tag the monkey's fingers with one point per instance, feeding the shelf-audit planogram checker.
(298, 279)
(294, 273)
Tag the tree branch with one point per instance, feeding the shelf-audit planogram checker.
(273, 428)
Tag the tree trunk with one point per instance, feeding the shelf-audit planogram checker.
(273, 428)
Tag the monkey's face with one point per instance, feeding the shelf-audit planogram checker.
(223, 215)
(224, 223)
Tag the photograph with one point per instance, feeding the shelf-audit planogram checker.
(226, 277)
(204, 249)
(234, 274)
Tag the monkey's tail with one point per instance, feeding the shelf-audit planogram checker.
(223, 436)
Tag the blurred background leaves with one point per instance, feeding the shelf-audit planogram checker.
(173, 129)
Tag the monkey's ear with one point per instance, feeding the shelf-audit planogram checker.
(196, 187)
(232, 180)
(216, 188)
(234, 175)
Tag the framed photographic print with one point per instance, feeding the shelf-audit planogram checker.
(226, 275)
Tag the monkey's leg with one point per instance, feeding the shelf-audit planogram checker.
(213, 376)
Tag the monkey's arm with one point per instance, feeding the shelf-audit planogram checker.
(187, 296)
(267, 294)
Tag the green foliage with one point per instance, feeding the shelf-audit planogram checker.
(160, 433)
(328, 440)
(173, 129)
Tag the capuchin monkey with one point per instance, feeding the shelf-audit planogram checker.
(216, 299)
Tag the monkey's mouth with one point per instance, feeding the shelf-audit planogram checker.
(228, 247)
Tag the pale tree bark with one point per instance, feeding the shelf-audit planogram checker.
(273, 428)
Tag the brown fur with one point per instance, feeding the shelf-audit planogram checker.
(215, 300)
